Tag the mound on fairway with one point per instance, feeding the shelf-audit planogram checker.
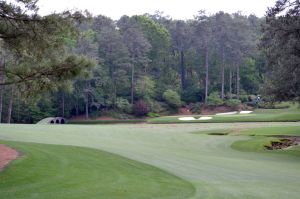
(53, 171)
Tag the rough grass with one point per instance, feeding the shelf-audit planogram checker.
(53, 171)
(261, 115)
(214, 168)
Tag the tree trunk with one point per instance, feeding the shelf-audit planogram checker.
(206, 73)
(77, 109)
(238, 82)
(223, 73)
(10, 105)
(1, 101)
(86, 99)
(230, 83)
(63, 104)
(132, 84)
(2, 68)
(182, 70)
(19, 106)
(87, 109)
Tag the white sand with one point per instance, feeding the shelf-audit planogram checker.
(186, 118)
(192, 118)
(245, 112)
(228, 113)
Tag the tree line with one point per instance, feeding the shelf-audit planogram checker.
(73, 64)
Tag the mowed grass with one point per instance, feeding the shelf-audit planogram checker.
(209, 162)
(54, 171)
(260, 115)
(261, 137)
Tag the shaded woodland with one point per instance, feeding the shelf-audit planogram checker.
(75, 64)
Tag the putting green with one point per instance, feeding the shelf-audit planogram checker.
(53, 171)
(260, 115)
(209, 162)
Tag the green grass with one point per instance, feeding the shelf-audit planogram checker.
(53, 171)
(129, 121)
(209, 162)
(260, 115)
(261, 137)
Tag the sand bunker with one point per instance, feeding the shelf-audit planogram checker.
(228, 113)
(284, 142)
(205, 118)
(192, 118)
(235, 112)
(245, 112)
(186, 118)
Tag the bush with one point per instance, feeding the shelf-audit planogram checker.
(172, 98)
(123, 105)
(244, 98)
(233, 102)
(156, 107)
(266, 105)
(192, 94)
(153, 115)
(140, 108)
(196, 108)
(214, 99)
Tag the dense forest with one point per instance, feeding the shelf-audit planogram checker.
(74, 64)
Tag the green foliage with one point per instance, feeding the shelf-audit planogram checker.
(280, 43)
(153, 115)
(233, 102)
(244, 98)
(214, 99)
(39, 43)
(134, 58)
(172, 99)
(124, 105)
(192, 94)
(250, 79)
(196, 108)
(145, 88)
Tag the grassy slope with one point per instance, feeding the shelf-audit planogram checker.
(53, 171)
(261, 115)
(208, 162)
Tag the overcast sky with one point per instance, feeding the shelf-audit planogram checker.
(177, 9)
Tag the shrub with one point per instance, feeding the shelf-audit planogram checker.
(196, 108)
(140, 108)
(214, 99)
(152, 115)
(233, 102)
(145, 87)
(244, 98)
(266, 105)
(156, 107)
(172, 98)
(123, 105)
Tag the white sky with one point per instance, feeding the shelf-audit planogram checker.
(177, 9)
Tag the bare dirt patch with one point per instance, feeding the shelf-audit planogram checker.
(7, 155)
(284, 142)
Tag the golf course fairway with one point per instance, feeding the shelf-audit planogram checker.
(155, 161)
